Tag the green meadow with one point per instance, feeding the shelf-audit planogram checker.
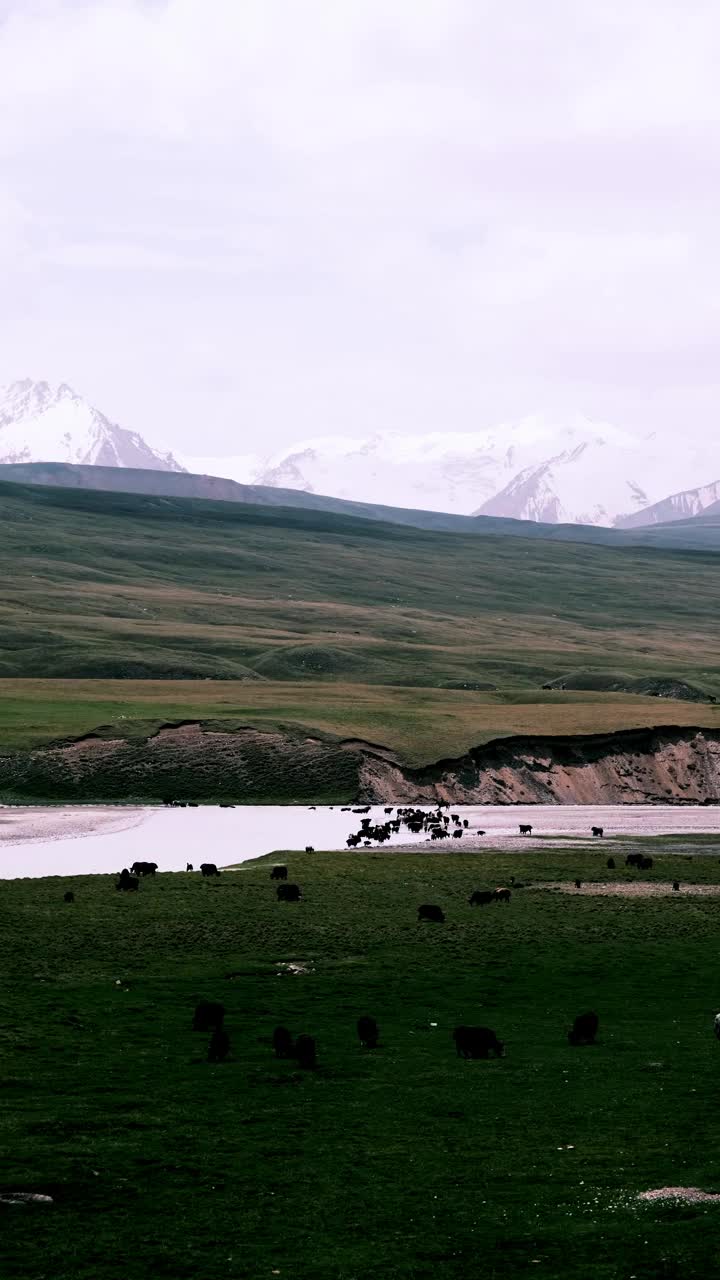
(401, 1162)
(121, 612)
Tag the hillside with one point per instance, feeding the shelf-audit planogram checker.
(126, 613)
(702, 533)
(108, 585)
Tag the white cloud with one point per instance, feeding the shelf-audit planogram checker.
(281, 218)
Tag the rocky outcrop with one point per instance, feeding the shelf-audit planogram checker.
(637, 766)
(255, 766)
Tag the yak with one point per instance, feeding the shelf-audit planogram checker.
(477, 1042)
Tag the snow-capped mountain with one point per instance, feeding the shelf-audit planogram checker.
(580, 471)
(40, 423)
(691, 502)
(573, 471)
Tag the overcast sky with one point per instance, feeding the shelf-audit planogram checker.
(236, 223)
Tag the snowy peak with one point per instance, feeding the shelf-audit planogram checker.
(42, 423)
(691, 502)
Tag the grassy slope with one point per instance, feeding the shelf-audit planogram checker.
(106, 585)
(406, 1162)
(422, 725)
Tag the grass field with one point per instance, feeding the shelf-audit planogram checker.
(403, 1162)
(124, 612)
(105, 585)
(422, 725)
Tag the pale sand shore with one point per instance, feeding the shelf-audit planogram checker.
(39, 825)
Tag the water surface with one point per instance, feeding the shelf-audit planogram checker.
(88, 839)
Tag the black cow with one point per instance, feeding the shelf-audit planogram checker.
(209, 869)
(367, 1029)
(306, 1051)
(279, 872)
(597, 831)
(69, 896)
(209, 1015)
(610, 864)
(481, 897)
(676, 885)
(143, 868)
(502, 895)
(477, 1042)
(282, 1043)
(188, 866)
(429, 912)
(457, 834)
(389, 810)
(525, 829)
(584, 1029)
(219, 1046)
(288, 893)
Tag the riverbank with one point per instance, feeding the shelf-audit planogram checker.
(204, 763)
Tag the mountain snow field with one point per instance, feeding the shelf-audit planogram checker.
(570, 471)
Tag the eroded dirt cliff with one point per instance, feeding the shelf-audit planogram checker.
(255, 766)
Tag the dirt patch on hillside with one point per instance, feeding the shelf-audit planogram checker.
(631, 889)
(193, 761)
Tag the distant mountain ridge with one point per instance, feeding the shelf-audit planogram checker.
(696, 533)
(571, 472)
(691, 502)
(40, 423)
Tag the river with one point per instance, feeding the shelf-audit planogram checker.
(100, 839)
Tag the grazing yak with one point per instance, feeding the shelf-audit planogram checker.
(367, 1029)
(279, 872)
(429, 912)
(481, 897)
(127, 883)
(306, 1051)
(502, 895)
(219, 1046)
(584, 1029)
(282, 1043)
(634, 860)
(143, 868)
(610, 864)
(309, 848)
(188, 866)
(209, 1015)
(598, 831)
(578, 884)
(676, 885)
(209, 869)
(525, 829)
(288, 893)
(69, 896)
(457, 834)
(477, 1042)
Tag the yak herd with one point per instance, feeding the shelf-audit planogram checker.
(434, 824)
(470, 1042)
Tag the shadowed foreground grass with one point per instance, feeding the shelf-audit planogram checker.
(404, 1162)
